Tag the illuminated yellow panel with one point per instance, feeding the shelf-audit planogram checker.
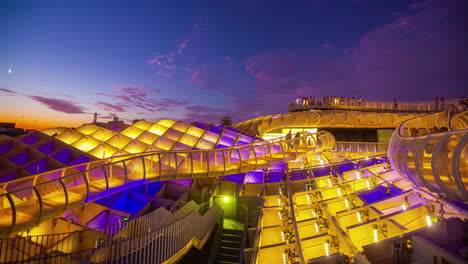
(132, 132)
(135, 147)
(70, 136)
(143, 124)
(210, 136)
(205, 144)
(164, 143)
(86, 144)
(103, 134)
(180, 146)
(103, 150)
(195, 131)
(87, 129)
(188, 140)
(173, 134)
(54, 131)
(153, 149)
(314, 248)
(179, 126)
(148, 137)
(166, 123)
(157, 129)
(119, 141)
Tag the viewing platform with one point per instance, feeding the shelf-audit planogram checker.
(359, 104)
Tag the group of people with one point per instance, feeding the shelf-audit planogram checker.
(439, 104)
(327, 101)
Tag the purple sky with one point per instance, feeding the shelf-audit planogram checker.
(197, 62)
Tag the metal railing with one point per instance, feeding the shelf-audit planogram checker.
(243, 216)
(459, 121)
(424, 151)
(360, 146)
(336, 118)
(301, 104)
(29, 201)
(142, 240)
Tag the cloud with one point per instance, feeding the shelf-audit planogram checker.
(110, 107)
(204, 114)
(60, 105)
(167, 64)
(8, 92)
(328, 45)
(423, 47)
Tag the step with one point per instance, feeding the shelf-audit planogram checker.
(227, 258)
(230, 244)
(226, 262)
(231, 238)
(229, 251)
(233, 232)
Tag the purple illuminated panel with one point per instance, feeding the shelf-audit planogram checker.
(274, 176)
(37, 167)
(20, 158)
(63, 156)
(79, 160)
(239, 178)
(5, 148)
(30, 139)
(46, 148)
(380, 193)
(254, 177)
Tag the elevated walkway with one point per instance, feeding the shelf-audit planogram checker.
(430, 154)
(325, 118)
(26, 202)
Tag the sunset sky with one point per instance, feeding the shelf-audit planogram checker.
(62, 61)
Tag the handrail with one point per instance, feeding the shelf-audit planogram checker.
(41, 197)
(360, 146)
(425, 152)
(257, 234)
(216, 240)
(243, 208)
(334, 118)
(301, 104)
(459, 121)
(104, 247)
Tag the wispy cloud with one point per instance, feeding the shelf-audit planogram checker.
(59, 105)
(421, 47)
(110, 107)
(167, 64)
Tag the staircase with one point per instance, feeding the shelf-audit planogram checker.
(229, 251)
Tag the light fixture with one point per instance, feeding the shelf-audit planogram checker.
(279, 201)
(314, 214)
(316, 228)
(282, 236)
(359, 219)
(346, 203)
(368, 183)
(376, 235)
(327, 249)
(329, 182)
(403, 207)
(428, 220)
(280, 217)
(339, 191)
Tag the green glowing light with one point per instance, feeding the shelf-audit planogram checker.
(125, 218)
(435, 220)
(226, 199)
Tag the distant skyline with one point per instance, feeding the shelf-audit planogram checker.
(62, 61)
